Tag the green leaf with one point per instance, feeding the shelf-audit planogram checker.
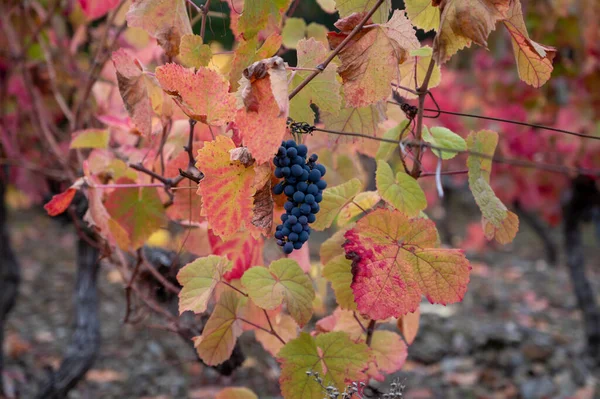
(332, 247)
(402, 192)
(347, 7)
(386, 149)
(199, 280)
(284, 280)
(222, 329)
(339, 272)
(334, 199)
(444, 138)
(293, 31)
(258, 13)
(323, 90)
(333, 355)
(139, 211)
(193, 52)
(418, 63)
(498, 222)
(423, 14)
(90, 138)
(317, 32)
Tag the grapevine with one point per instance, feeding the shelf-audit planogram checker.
(303, 185)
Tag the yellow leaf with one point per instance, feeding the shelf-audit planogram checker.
(360, 204)
(334, 199)
(408, 70)
(423, 14)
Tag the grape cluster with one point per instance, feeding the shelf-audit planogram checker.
(303, 187)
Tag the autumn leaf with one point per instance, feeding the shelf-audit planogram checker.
(334, 199)
(395, 261)
(409, 325)
(247, 53)
(263, 127)
(418, 63)
(444, 138)
(348, 7)
(423, 14)
(222, 329)
(94, 9)
(401, 191)
(236, 393)
(203, 95)
(284, 280)
(199, 280)
(323, 90)
(534, 61)
(344, 320)
(166, 20)
(498, 222)
(285, 326)
(463, 22)
(360, 204)
(389, 350)
(370, 60)
(339, 272)
(333, 355)
(386, 149)
(241, 248)
(364, 120)
(226, 189)
(193, 52)
(332, 247)
(60, 202)
(139, 211)
(90, 138)
(258, 13)
(134, 90)
(293, 31)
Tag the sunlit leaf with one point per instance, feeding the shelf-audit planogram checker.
(409, 325)
(293, 31)
(241, 248)
(90, 138)
(389, 350)
(339, 272)
(60, 202)
(444, 138)
(386, 149)
(360, 204)
(258, 13)
(348, 7)
(334, 199)
(408, 70)
(193, 52)
(333, 355)
(364, 120)
(222, 329)
(285, 281)
(247, 53)
(423, 14)
(395, 261)
(317, 32)
(401, 191)
(198, 280)
(498, 222)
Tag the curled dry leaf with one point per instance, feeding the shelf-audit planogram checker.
(273, 67)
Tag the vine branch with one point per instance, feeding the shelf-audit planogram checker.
(416, 169)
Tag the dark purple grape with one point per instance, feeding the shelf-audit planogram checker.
(302, 219)
(292, 220)
(298, 196)
(298, 244)
(284, 217)
(292, 152)
(318, 198)
(303, 237)
(321, 184)
(302, 186)
(312, 189)
(302, 150)
(289, 190)
(280, 243)
(278, 189)
(311, 218)
(293, 237)
(288, 206)
(296, 170)
(297, 228)
(288, 247)
(279, 235)
(314, 175)
(305, 209)
(309, 198)
(321, 169)
(296, 212)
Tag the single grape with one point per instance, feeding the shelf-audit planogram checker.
(302, 186)
(288, 206)
(309, 198)
(312, 189)
(292, 152)
(304, 176)
(286, 231)
(279, 235)
(311, 218)
(296, 170)
(280, 243)
(278, 189)
(292, 180)
(305, 209)
(313, 158)
(313, 176)
(292, 220)
(302, 150)
(284, 217)
(297, 228)
(298, 244)
(279, 227)
(303, 220)
(298, 160)
(286, 171)
(321, 169)
(293, 237)
(314, 208)
(278, 173)
(307, 228)
(289, 190)
(303, 237)
(298, 196)
(296, 212)
(288, 247)
(321, 184)
(276, 162)
(290, 143)
(318, 198)
(281, 151)
(284, 162)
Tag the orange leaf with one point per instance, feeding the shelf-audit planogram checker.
(263, 126)
(395, 261)
(60, 202)
(409, 325)
(241, 248)
(370, 60)
(203, 95)
(226, 189)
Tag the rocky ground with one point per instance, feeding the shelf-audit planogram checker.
(517, 334)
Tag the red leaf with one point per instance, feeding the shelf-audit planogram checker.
(242, 249)
(60, 202)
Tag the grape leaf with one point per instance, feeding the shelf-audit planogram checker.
(284, 280)
(389, 350)
(323, 90)
(246, 53)
(138, 211)
(498, 222)
(370, 60)
(418, 62)
(241, 248)
(409, 325)
(534, 61)
(90, 138)
(334, 199)
(134, 90)
(463, 21)
(348, 7)
(94, 9)
(285, 326)
(236, 393)
(332, 247)
(213, 104)
(386, 149)
(444, 138)
(423, 14)
(339, 272)
(333, 355)
(293, 31)
(344, 320)
(193, 52)
(262, 128)
(359, 205)
(222, 329)
(199, 280)
(60, 202)
(402, 192)
(226, 189)
(166, 20)
(317, 32)
(395, 261)
(258, 13)
(364, 120)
